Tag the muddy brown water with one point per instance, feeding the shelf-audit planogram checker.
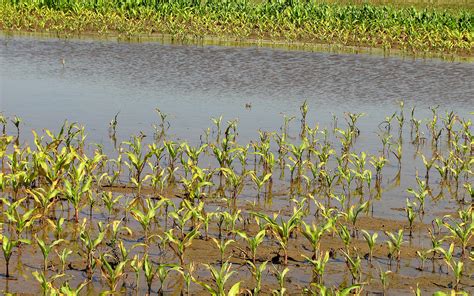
(45, 81)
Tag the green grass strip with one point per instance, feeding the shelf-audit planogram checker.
(408, 29)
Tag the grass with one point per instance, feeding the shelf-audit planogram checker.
(405, 28)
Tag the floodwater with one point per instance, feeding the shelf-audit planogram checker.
(45, 81)
(194, 83)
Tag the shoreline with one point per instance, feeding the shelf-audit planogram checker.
(231, 42)
(342, 28)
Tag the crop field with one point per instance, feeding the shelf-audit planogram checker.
(289, 213)
(236, 147)
(406, 26)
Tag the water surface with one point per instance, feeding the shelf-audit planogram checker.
(45, 81)
(194, 83)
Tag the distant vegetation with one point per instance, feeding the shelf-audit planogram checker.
(407, 28)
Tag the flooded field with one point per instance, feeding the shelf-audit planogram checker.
(149, 174)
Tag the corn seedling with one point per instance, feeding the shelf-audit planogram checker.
(409, 209)
(280, 276)
(90, 245)
(394, 245)
(220, 277)
(7, 248)
(180, 244)
(46, 249)
(314, 234)
(282, 229)
(371, 240)
(354, 266)
(257, 273)
(111, 272)
(319, 264)
(253, 242)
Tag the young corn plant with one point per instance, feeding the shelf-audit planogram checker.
(282, 229)
(371, 241)
(410, 211)
(354, 266)
(423, 256)
(304, 112)
(16, 122)
(186, 272)
(341, 291)
(79, 185)
(193, 188)
(345, 236)
(45, 199)
(394, 246)
(351, 119)
(458, 270)
(22, 220)
(387, 123)
(378, 163)
(46, 249)
(58, 226)
(220, 278)
(280, 276)
(111, 272)
(383, 275)
(63, 258)
(173, 150)
(319, 265)
(297, 158)
(137, 159)
(149, 271)
(110, 201)
(146, 218)
(179, 244)
(461, 231)
(67, 290)
(257, 273)
(428, 165)
(398, 154)
(222, 245)
(253, 242)
(136, 264)
(447, 255)
(352, 215)
(163, 271)
(314, 233)
(420, 194)
(90, 246)
(45, 283)
(8, 244)
(259, 181)
(236, 182)
(194, 152)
